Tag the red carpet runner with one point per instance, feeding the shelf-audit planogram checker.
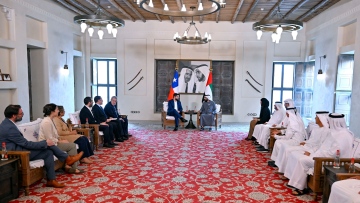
(162, 166)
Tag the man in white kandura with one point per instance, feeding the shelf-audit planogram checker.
(311, 145)
(275, 119)
(207, 113)
(295, 133)
(299, 165)
(265, 134)
(345, 191)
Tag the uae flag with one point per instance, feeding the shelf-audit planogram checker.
(208, 88)
(174, 86)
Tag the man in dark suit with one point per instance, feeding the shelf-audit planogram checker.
(86, 113)
(175, 109)
(99, 114)
(111, 112)
(11, 135)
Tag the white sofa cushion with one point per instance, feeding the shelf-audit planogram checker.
(218, 107)
(75, 117)
(39, 163)
(170, 118)
(30, 130)
(356, 148)
(165, 106)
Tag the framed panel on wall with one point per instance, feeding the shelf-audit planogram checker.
(193, 75)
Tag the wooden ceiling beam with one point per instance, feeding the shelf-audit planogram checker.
(179, 4)
(312, 10)
(82, 7)
(296, 7)
(253, 5)
(241, 2)
(71, 7)
(217, 16)
(134, 10)
(274, 8)
(170, 17)
(116, 5)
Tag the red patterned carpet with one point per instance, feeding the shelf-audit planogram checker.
(163, 166)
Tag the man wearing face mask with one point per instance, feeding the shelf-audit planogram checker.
(207, 113)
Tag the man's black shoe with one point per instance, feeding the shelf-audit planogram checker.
(119, 140)
(112, 143)
(124, 137)
(183, 119)
(108, 145)
(176, 129)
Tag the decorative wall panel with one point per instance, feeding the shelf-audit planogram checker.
(223, 82)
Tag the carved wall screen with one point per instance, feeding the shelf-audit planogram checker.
(223, 83)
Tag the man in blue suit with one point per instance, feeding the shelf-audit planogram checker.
(175, 109)
(15, 141)
(112, 112)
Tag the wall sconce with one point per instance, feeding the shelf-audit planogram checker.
(320, 70)
(65, 66)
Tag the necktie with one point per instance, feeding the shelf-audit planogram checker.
(194, 88)
(186, 87)
(116, 113)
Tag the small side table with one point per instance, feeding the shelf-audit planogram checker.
(9, 184)
(329, 179)
(190, 125)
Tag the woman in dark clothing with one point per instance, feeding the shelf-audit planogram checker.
(264, 117)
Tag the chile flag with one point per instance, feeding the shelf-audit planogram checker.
(174, 86)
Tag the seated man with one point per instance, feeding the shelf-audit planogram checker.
(311, 145)
(175, 109)
(86, 114)
(207, 113)
(295, 133)
(112, 113)
(301, 164)
(265, 134)
(100, 115)
(345, 191)
(10, 134)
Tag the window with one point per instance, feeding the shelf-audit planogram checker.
(283, 82)
(104, 80)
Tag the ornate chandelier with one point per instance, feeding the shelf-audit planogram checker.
(99, 21)
(277, 27)
(216, 5)
(197, 39)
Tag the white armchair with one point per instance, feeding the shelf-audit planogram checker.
(218, 117)
(169, 120)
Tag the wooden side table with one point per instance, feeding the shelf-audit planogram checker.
(329, 178)
(9, 184)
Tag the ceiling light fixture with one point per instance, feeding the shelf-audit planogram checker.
(150, 7)
(100, 21)
(65, 66)
(320, 71)
(197, 39)
(277, 27)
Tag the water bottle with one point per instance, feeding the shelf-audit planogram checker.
(337, 159)
(352, 166)
(87, 123)
(4, 154)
